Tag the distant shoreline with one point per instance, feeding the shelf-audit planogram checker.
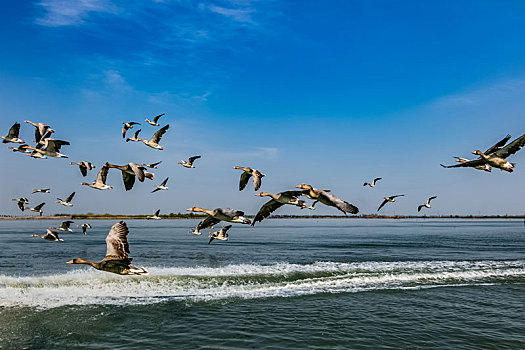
(200, 216)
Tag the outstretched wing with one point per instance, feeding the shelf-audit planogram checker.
(158, 134)
(257, 176)
(226, 228)
(230, 212)
(83, 169)
(498, 145)
(340, 204)
(117, 246)
(382, 205)
(431, 198)
(267, 209)
(419, 208)
(14, 131)
(164, 182)
(68, 199)
(376, 180)
(103, 174)
(128, 179)
(511, 148)
(192, 159)
(469, 164)
(207, 223)
(38, 207)
(138, 171)
(156, 119)
(245, 177)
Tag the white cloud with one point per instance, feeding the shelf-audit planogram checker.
(238, 15)
(70, 13)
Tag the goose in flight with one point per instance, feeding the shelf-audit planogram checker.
(37, 209)
(35, 154)
(327, 199)
(117, 250)
(162, 186)
(20, 202)
(68, 200)
(50, 236)
(65, 226)
(131, 171)
(51, 148)
(217, 215)
(135, 137)
(128, 125)
(100, 182)
(12, 135)
(277, 201)
(496, 156)
(373, 183)
(155, 120)
(427, 204)
(84, 228)
(154, 216)
(40, 130)
(152, 165)
(221, 235)
(484, 167)
(84, 167)
(245, 177)
(21, 149)
(189, 162)
(41, 190)
(389, 199)
(155, 139)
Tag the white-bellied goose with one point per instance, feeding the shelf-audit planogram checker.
(189, 162)
(277, 201)
(21, 149)
(155, 139)
(162, 186)
(50, 148)
(41, 190)
(155, 120)
(484, 167)
(65, 226)
(84, 167)
(50, 236)
(66, 202)
(12, 135)
(245, 177)
(100, 182)
(496, 156)
(128, 125)
(84, 228)
(427, 204)
(130, 171)
(389, 199)
(40, 129)
(217, 215)
(152, 165)
(155, 216)
(135, 137)
(327, 199)
(117, 250)
(37, 209)
(20, 202)
(221, 235)
(373, 183)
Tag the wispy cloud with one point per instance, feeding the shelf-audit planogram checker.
(243, 15)
(70, 13)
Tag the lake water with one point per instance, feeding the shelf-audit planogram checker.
(284, 284)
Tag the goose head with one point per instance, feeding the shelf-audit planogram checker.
(304, 187)
(477, 152)
(263, 194)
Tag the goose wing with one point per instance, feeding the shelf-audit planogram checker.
(66, 224)
(230, 212)
(38, 207)
(124, 129)
(225, 229)
(257, 176)
(511, 148)
(468, 164)
(128, 179)
(158, 134)
(152, 165)
(419, 207)
(21, 205)
(156, 119)
(14, 131)
(498, 145)
(267, 209)
(431, 198)
(382, 204)
(293, 193)
(138, 171)
(207, 223)
(192, 159)
(245, 177)
(157, 212)
(68, 199)
(164, 182)
(117, 246)
(103, 174)
(83, 169)
(51, 234)
(397, 195)
(376, 180)
(53, 145)
(340, 204)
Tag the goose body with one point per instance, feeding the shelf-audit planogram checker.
(277, 201)
(131, 171)
(100, 182)
(327, 199)
(51, 148)
(162, 186)
(50, 236)
(40, 130)
(117, 250)
(427, 204)
(37, 209)
(217, 215)
(391, 199)
(221, 235)
(67, 201)
(12, 135)
(128, 125)
(154, 216)
(155, 120)
(245, 177)
(42, 190)
(84, 228)
(373, 183)
(22, 149)
(20, 202)
(152, 165)
(155, 139)
(84, 167)
(135, 137)
(65, 226)
(484, 167)
(189, 162)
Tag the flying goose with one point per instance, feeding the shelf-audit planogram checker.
(40, 130)
(50, 236)
(21, 149)
(245, 177)
(220, 235)
(84, 228)
(484, 167)
(217, 215)
(162, 186)
(65, 226)
(51, 148)
(116, 260)
(84, 167)
(37, 209)
(496, 158)
(135, 137)
(389, 199)
(41, 190)
(154, 216)
(128, 125)
(130, 171)
(152, 165)
(20, 202)
(189, 162)
(155, 139)
(327, 199)
(373, 183)
(66, 202)
(100, 182)
(155, 120)
(12, 135)
(277, 201)
(427, 204)
(35, 154)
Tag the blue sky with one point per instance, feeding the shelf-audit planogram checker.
(328, 93)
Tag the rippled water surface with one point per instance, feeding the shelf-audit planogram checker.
(318, 284)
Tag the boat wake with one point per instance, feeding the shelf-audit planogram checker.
(90, 287)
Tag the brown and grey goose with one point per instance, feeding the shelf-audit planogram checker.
(217, 215)
(155, 139)
(41, 190)
(50, 236)
(37, 209)
(20, 202)
(128, 125)
(221, 235)
(100, 182)
(189, 162)
(64, 226)
(135, 137)
(40, 130)
(12, 135)
(67, 201)
(155, 216)
(427, 204)
(84, 228)
(131, 171)
(277, 201)
(84, 167)
(155, 120)
(373, 183)
(245, 177)
(50, 148)
(152, 165)
(327, 199)
(162, 186)
(389, 199)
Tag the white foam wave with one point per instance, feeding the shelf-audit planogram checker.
(91, 287)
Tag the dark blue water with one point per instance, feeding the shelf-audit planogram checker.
(316, 284)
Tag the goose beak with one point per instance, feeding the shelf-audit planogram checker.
(298, 186)
(258, 194)
(190, 209)
(69, 262)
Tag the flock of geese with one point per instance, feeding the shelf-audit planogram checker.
(117, 259)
